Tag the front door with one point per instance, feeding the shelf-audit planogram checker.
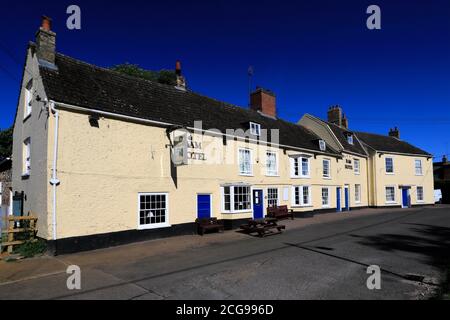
(346, 199)
(338, 199)
(204, 206)
(405, 198)
(258, 204)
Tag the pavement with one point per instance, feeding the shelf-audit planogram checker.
(322, 257)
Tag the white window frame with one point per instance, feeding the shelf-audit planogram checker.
(358, 193)
(255, 129)
(26, 161)
(417, 194)
(270, 173)
(356, 161)
(268, 195)
(385, 195)
(28, 99)
(421, 167)
(326, 205)
(350, 139)
(322, 145)
(301, 196)
(326, 176)
(300, 159)
(250, 173)
(232, 210)
(386, 167)
(154, 225)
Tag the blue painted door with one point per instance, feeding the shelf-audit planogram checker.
(346, 195)
(204, 206)
(258, 204)
(338, 199)
(405, 201)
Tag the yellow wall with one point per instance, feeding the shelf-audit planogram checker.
(404, 175)
(103, 169)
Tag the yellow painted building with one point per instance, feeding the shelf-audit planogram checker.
(97, 156)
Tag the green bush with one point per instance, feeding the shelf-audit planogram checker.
(31, 248)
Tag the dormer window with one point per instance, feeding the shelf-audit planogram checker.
(350, 138)
(255, 129)
(28, 98)
(322, 145)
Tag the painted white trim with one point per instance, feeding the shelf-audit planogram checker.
(301, 204)
(251, 162)
(395, 194)
(421, 167)
(423, 194)
(328, 205)
(278, 195)
(329, 169)
(154, 225)
(256, 125)
(385, 166)
(232, 211)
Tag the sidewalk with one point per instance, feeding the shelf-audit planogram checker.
(43, 266)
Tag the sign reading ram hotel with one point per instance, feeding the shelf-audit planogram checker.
(185, 148)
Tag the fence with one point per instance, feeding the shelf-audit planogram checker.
(19, 230)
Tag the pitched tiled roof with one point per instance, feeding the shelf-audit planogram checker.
(85, 85)
(389, 144)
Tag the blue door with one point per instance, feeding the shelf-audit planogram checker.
(258, 204)
(405, 202)
(346, 195)
(204, 206)
(338, 199)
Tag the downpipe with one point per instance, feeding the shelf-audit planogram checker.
(54, 180)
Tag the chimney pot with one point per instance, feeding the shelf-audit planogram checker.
(46, 41)
(46, 23)
(335, 115)
(394, 133)
(181, 81)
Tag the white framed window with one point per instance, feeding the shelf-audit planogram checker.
(389, 163)
(325, 197)
(357, 193)
(255, 129)
(301, 195)
(350, 138)
(356, 166)
(28, 99)
(26, 166)
(271, 163)
(272, 197)
(390, 194)
(418, 167)
(245, 162)
(326, 168)
(322, 145)
(420, 197)
(153, 210)
(236, 199)
(300, 167)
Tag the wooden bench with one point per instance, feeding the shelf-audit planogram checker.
(208, 224)
(280, 212)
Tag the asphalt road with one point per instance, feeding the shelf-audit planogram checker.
(321, 261)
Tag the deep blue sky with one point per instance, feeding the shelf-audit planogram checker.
(312, 54)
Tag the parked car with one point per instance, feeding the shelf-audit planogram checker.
(437, 196)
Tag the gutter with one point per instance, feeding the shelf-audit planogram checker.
(54, 180)
(166, 124)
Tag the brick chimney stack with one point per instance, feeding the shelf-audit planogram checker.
(46, 41)
(394, 133)
(181, 81)
(264, 101)
(344, 121)
(444, 159)
(335, 115)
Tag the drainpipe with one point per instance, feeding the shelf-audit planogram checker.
(54, 180)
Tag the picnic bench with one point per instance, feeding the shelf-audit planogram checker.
(208, 224)
(280, 212)
(263, 227)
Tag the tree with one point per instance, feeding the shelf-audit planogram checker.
(162, 76)
(6, 138)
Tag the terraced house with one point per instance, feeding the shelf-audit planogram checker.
(104, 158)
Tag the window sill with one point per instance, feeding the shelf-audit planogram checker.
(420, 201)
(357, 173)
(154, 226)
(273, 175)
(302, 206)
(327, 178)
(419, 175)
(390, 173)
(237, 212)
(390, 202)
(301, 177)
(326, 206)
(246, 175)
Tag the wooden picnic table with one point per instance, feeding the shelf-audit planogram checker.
(263, 227)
